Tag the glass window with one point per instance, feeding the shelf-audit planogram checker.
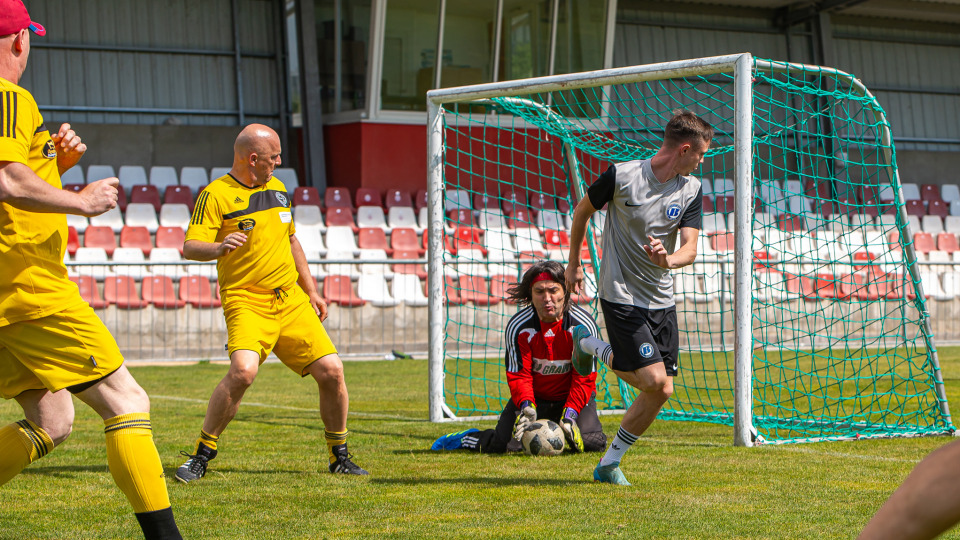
(468, 34)
(580, 36)
(525, 47)
(409, 53)
(346, 57)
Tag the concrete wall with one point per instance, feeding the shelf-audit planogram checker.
(177, 146)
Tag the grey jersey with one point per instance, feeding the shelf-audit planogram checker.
(640, 205)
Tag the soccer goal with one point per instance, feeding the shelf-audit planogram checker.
(803, 317)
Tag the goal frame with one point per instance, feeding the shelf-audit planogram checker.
(742, 66)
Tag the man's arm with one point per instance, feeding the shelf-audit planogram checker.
(305, 279)
(578, 230)
(683, 256)
(198, 250)
(22, 188)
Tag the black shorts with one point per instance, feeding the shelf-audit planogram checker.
(642, 337)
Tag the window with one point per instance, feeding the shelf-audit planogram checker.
(343, 55)
(409, 54)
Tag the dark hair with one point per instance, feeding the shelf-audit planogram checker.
(687, 127)
(522, 293)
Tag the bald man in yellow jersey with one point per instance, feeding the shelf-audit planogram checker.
(52, 344)
(270, 299)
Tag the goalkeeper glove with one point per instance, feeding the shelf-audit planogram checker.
(527, 416)
(571, 430)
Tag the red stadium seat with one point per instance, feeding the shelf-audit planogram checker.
(461, 218)
(723, 204)
(484, 200)
(178, 195)
(722, 241)
(520, 218)
(557, 240)
(707, 204)
(409, 268)
(420, 201)
(339, 290)
(73, 240)
(159, 291)
(499, 285)
(303, 196)
(513, 200)
(373, 238)
(451, 292)
(474, 289)
(339, 216)
(89, 291)
(101, 237)
(368, 197)
(467, 238)
(122, 292)
(930, 192)
(542, 201)
(563, 201)
(122, 200)
(923, 242)
(825, 285)
(947, 242)
(405, 239)
(136, 237)
(338, 197)
(937, 207)
(146, 194)
(916, 208)
(789, 223)
(397, 197)
(197, 291)
(170, 237)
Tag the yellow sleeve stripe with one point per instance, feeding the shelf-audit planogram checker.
(198, 209)
(8, 114)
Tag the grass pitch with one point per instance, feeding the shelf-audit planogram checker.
(270, 479)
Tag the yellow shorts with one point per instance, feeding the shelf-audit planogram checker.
(263, 321)
(67, 348)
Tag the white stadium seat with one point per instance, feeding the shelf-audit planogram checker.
(406, 288)
(194, 178)
(162, 177)
(132, 175)
(99, 172)
(73, 175)
(142, 215)
(112, 218)
(131, 257)
(91, 255)
(166, 255)
(217, 172)
(402, 217)
(174, 215)
(371, 216)
(374, 289)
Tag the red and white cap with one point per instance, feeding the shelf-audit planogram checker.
(14, 18)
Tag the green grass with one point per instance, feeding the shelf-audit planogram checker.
(270, 481)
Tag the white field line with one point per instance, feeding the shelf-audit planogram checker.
(288, 408)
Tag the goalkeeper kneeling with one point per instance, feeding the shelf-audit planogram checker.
(543, 383)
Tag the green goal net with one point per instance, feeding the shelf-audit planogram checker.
(835, 337)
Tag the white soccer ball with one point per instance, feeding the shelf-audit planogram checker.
(543, 438)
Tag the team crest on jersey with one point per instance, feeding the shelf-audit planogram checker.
(246, 224)
(49, 150)
(673, 211)
(646, 350)
(281, 198)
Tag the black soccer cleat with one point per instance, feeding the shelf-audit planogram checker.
(344, 462)
(193, 469)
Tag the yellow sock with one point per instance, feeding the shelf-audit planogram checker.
(334, 438)
(21, 444)
(135, 463)
(208, 440)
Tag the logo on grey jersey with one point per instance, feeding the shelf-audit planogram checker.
(281, 198)
(673, 211)
(646, 350)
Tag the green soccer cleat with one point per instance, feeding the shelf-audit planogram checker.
(582, 360)
(610, 474)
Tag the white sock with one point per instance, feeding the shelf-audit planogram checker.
(599, 348)
(621, 443)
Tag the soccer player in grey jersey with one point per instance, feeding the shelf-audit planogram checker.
(648, 203)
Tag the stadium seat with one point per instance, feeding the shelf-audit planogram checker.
(550, 220)
(930, 192)
(308, 216)
(723, 204)
(790, 223)
(121, 291)
(724, 186)
(707, 185)
(402, 217)
(911, 191)
(949, 193)
(459, 218)
(89, 291)
(76, 188)
(931, 224)
(468, 262)
(338, 289)
(373, 238)
(343, 267)
(112, 218)
(73, 175)
(483, 201)
(142, 215)
(491, 219)
(467, 238)
(136, 237)
(932, 288)
(91, 261)
(529, 243)
(303, 196)
(722, 242)
(374, 289)
(474, 289)
(938, 208)
(407, 289)
(178, 195)
(217, 172)
(338, 197)
(685, 284)
(951, 284)
(513, 201)
(714, 223)
(456, 199)
(944, 259)
(923, 242)
(159, 291)
(129, 262)
(706, 204)
(371, 262)
(174, 215)
(405, 239)
(955, 208)
(170, 237)
(97, 236)
(420, 201)
(194, 178)
(557, 244)
(368, 197)
(499, 283)
(163, 177)
(197, 291)
(338, 217)
(540, 202)
(288, 176)
(521, 218)
(408, 268)
(73, 240)
(165, 261)
(371, 216)
(311, 239)
(947, 241)
(131, 176)
(915, 207)
(342, 238)
(99, 172)
(397, 197)
(499, 246)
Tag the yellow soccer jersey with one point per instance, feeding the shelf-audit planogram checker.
(33, 278)
(263, 214)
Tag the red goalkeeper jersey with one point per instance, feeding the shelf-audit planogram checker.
(538, 359)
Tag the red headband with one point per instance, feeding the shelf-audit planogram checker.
(543, 276)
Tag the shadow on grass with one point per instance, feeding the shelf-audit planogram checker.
(487, 480)
(67, 471)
